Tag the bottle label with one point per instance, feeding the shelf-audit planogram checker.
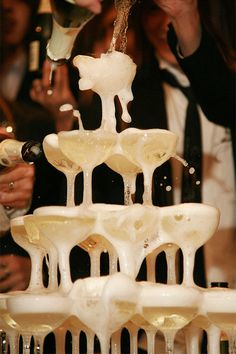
(34, 52)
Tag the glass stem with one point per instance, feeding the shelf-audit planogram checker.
(38, 346)
(151, 341)
(26, 343)
(87, 197)
(127, 190)
(70, 180)
(147, 194)
(115, 342)
(232, 341)
(169, 339)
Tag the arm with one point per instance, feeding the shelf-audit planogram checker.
(185, 18)
(92, 5)
(213, 83)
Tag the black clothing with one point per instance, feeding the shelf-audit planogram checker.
(213, 83)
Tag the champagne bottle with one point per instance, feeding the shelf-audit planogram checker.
(224, 343)
(40, 36)
(68, 20)
(13, 151)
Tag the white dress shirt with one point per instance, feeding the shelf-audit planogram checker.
(218, 181)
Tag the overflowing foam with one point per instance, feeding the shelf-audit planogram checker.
(110, 75)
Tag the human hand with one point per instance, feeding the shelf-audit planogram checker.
(16, 185)
(52, 98)
(185, 18)
(92, 5)
(15, 272)
(177, 8)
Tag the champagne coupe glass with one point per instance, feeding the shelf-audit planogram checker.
(96, 244)
(120, 164)
(149, 329)
(37, 315)
(75, 326)
(88, 149)
(220, 307)
(169, 308)
(110, 75)
(104, 304)
(54, 224)
(170, 250)
(132, 230)
(35, 250)
(8, 328)
(189, 225)
(193, 335)
(148, 149)
(56, 158)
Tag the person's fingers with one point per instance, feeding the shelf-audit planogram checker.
(92, 5)
(17, 172)
(46, 74)
(15, 273)
(14, 281)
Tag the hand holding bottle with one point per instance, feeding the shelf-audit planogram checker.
(16, 186)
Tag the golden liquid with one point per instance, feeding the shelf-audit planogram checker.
(125, 307)
(59, 161)
(223, 320)
(139, 321)
(165, 318)
(87, 148)
(151, 149)
(37, 323)
(122, 165)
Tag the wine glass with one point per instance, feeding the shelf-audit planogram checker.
(128, 170)
(95, 244)
(34, 249)
(9, 334)
(148, 149)
(188, 225)
(110, 75)
(75, 326)
(132, 230)
(169, 308)
(88, 149)
(53, 223)
(170, 250)
(220, 307)
(37, 314)
(149, 329)
(104, 304)
(56, 158)
(193, 335)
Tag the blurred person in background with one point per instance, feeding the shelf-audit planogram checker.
(205, 33)
(22, 187)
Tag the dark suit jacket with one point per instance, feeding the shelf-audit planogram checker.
(214, 84)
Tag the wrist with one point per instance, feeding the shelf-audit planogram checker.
(188, 31)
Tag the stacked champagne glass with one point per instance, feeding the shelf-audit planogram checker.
(102, 306)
